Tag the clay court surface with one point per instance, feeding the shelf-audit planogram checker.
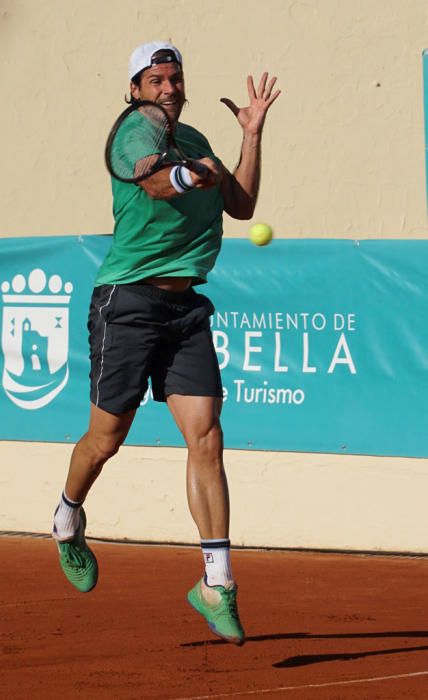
(319, 626)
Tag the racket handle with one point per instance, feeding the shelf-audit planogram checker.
(197, 167)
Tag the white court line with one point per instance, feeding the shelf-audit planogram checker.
(303, 687)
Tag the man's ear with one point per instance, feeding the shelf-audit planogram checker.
(134, 90)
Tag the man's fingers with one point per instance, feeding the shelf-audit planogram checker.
(260, 101)
(262, 85)
(251, 88)
(271, 83)
(273, 97)
(232, 106)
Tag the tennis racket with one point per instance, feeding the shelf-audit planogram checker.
(141, 142)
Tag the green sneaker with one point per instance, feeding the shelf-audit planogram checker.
(77, 561)
(222, 617)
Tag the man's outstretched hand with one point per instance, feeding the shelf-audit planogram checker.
(252, 118)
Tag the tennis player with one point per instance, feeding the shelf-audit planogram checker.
(147, 321)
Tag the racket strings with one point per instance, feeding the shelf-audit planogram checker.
(139, 142)
(160, 126)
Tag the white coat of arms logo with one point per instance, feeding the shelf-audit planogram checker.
(35, 338)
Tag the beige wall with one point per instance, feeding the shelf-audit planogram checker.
(279, 499)
(343, 157)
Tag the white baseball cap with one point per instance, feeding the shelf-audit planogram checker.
(142, 56)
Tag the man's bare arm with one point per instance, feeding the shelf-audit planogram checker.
(240, 189)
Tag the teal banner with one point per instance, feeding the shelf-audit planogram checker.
(322, 344)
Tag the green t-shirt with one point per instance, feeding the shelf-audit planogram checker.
(178, 237)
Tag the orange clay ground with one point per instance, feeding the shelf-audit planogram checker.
(319, 627)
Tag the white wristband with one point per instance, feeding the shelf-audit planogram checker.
(185, 177)
(181, 179)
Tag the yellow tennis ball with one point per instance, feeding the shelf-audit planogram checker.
(261, 234)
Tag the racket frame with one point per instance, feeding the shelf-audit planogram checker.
(163, 160)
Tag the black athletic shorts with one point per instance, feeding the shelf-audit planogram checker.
(137, 331)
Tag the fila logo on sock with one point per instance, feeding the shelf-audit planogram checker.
(209, 558)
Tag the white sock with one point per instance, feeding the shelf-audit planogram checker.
(66, 519)
(218, 571)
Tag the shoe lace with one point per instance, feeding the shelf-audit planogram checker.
(230, 599)
(74, 556)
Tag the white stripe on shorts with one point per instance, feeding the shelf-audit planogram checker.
(102, 347)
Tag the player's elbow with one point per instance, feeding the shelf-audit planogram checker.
(239, 202)
(246, 215)
(241, 210)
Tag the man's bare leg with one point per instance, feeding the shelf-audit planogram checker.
(214, 597)
(105, 435)
(198, 418)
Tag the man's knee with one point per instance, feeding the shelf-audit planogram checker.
(102, 447)
(207, 444)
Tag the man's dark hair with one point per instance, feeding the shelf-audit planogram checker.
(136, 80)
